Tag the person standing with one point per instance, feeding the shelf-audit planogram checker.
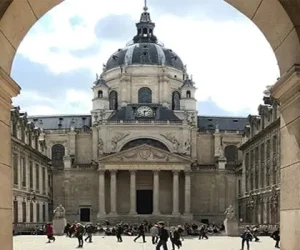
(202, 232)
(141, 233)
(276, 236)
(163, 236)
(79, 235)
(254, 233)
(154, 234)
(246, 236)
(49, 232)
(119, 232)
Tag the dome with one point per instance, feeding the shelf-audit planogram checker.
(145, 54)
(145, 49)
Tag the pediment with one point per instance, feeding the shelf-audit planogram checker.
(145, 153)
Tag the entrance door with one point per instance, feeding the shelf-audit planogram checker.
(144, 201)
(85, 214)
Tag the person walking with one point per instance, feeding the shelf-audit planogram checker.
(202, 232)
(276, 236)
(163, 236)
(141, 233)
(154, 234)
(246, 236)
(89, 230)
(119, 232)
(49, 233)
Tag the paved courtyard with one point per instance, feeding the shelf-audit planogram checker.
(109, 243)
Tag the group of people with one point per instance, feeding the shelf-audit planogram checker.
(159, 233)
(251, 233)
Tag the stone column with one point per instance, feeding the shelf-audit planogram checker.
(156, 192)
(132, 192)
(113, 192)
(175, 192)
(286, 91)
(187, 193)
(101, 208)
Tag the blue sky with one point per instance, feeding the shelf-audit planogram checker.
(229, 58)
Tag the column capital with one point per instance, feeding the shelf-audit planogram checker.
(156, 171)
(113, 171)
(187, 172)
(132, 171)
(175, 171)
(101, 170)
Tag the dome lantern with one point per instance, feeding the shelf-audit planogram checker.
(145, 28)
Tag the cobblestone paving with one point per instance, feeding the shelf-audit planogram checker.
(109, 243)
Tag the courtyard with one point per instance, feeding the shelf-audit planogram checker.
(109, 243)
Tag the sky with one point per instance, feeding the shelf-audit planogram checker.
(229, 58)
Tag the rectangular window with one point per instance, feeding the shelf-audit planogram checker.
(22, 134)
(37, 177)
(268, 148)
(262, 152)
(24, 212)
(16, 213)
(23, 160)
(37, 212)
(44, 213)
(31, 174)
(251, 158)
(44, 180)
(239, 187)
(256, 155)
(16, 169)
(274, 144)
(31, 212)
(36, 142)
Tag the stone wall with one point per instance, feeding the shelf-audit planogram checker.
(211, 193)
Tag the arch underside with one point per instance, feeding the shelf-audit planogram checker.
(279, 21)
(144, 141)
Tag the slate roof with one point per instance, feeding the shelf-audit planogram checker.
(127, 113)
(61, 121)
(205, 123)
(224, 123)
(145, 54)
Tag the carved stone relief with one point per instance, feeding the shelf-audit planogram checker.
(117, 138)
(171, 138)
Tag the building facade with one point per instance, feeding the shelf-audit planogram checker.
(259, 177)
(143, 152)
(31, 175)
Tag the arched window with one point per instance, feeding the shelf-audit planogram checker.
(188, 94)
(231, 154)
(100, 94)
(176, 100)
(143, 141)
(145, 95)
(58, 153)
(113, 100)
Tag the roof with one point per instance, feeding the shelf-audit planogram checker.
(61, 121)
(127, 113)
(145, 54)
(223, 123)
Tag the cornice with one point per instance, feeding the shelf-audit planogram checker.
(288, 86)
(8, 88)
(260, 134)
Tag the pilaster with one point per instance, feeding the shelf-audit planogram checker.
(287, 92)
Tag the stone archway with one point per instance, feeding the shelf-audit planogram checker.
(279, 21)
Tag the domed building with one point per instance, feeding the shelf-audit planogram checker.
(143, 153)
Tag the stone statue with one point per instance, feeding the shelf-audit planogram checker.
(187, 145)
(230, 213)
(100, 147)
(59, 212)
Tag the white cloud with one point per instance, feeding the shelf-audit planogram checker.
(230, 60)
(72, 101)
